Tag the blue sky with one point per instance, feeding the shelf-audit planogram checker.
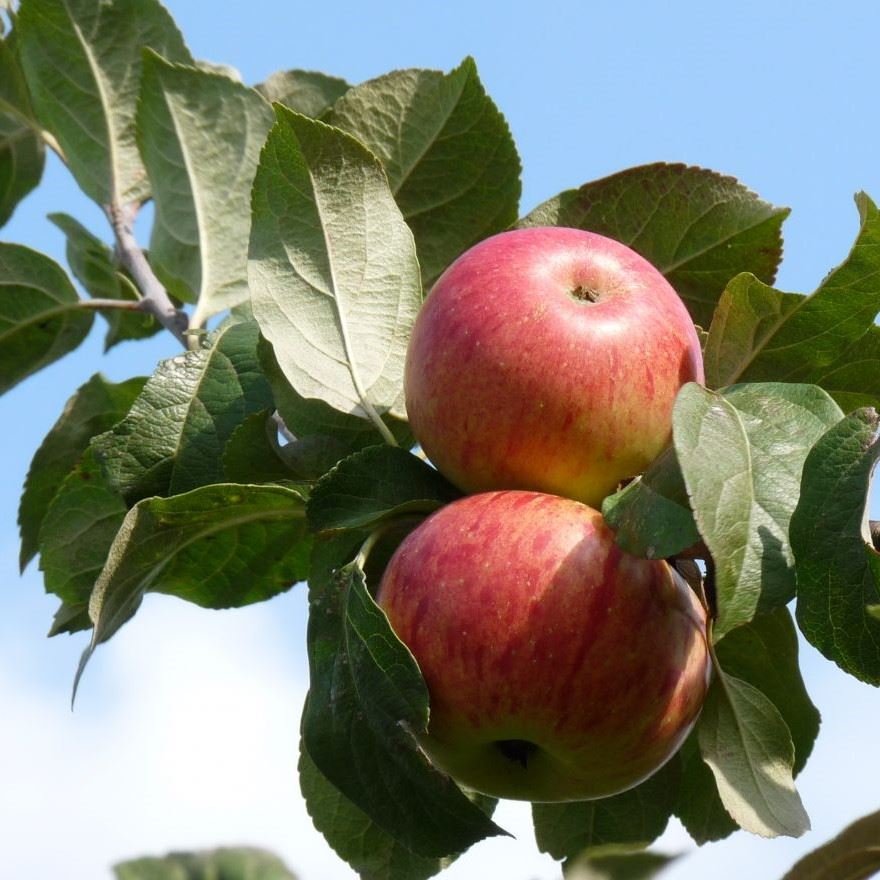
(186, 725)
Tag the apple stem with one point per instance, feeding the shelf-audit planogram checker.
(585, 294)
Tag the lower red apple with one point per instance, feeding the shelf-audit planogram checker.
(548, 359)
(559, 667)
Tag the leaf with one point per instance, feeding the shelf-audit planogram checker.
(22, 154)
(40, 318)
(747, 744)
(326, 434)
(698, 227)
(760, 334)
(304, 91)
(70, 619)
(741, 454)
(651, 516)
(174, 435)
(241, 863)
(617, 866)
(366, 706)
(699, 806)
(853, 855)
(219, 68)
(253, 454)
(746, 316)
(94, 407)
(14, 98)
(200, 136)
(78, 530)
(451, 160)
(838, 569)
(764, 653)
(634, 818)
(853, 380)
(22, 157)
(220, 546)
(93, 265)
(82, 62)
(354, 837)
(374, 485)
(333, 271)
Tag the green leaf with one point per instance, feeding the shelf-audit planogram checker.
(617, 866)
(853, 855)
(40, 317)
(93, 265)
(82, 62)
(634, 818)
(253, 454)
(699, 228)
(242, 863)
(22, 157)
(374, 485)
(174, 435)
(70, 619)
(219, 68)
(354, 837)
(220, 546)
(324, 435)
(747, 314)
(22, 154)
(699, 807)
(652, 516)
(78, 530)
(764, 653)
(760, 334)
(838, 569)
(333, 270)
(450, 158)
(747, 744)
(741, 454)
(366, 706)
(200, 136)
(853, 380)
(304, 91)
(94, 407)
(15, 101)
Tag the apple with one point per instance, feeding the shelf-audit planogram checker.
(558, 667)
(548, 359)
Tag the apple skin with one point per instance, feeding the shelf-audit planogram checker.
(514, 382)
(558, 667)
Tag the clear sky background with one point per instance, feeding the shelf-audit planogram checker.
(186, 726)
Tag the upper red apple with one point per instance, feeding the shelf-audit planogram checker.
(548, 359)
(558, 666)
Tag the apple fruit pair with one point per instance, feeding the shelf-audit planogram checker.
(548, 359)
(558, 667)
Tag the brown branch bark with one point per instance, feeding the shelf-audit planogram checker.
(155, 300)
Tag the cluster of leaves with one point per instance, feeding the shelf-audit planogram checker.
(853, 855)
(242, 863)
(309, 216)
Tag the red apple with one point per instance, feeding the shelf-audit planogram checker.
(548, 359)
(558, 667)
